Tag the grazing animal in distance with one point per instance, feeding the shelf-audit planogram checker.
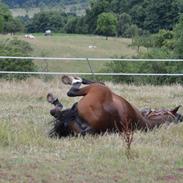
(100, 110)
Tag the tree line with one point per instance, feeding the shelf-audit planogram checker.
(154, 25)
(144, 16)
(39, 3)
(123, 17)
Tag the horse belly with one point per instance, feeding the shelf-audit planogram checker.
(95, 115)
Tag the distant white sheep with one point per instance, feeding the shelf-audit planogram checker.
(48, 33)
(29, 36)
(91, 46)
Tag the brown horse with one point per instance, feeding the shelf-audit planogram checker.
(100, 110)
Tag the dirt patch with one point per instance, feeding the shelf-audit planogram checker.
(180, 170)
(3, 174)
(168, 178)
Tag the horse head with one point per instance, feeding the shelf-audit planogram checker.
(161, 116)
(67, 122)
(60, 129)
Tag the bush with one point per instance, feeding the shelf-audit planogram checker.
(145, 67)
(15, 48)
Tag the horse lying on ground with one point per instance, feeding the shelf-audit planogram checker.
(100, 110)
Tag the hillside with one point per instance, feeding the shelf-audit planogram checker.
(38, 3)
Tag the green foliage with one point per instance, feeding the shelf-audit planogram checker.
(107, 24)
(124, 22)
(16, 48)
(178, 39)
(162, 45)
(52, 20)
(35, 3)
(8, 24)
(1, 23)
(149, 15)
(154, 15)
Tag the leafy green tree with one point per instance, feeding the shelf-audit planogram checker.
(71, 24)
(178, 38)
(124, 22)
(13, 26)
(154, 15)
(1, 23)
(52, 20)
(5, 16)
(107, 24)
(8, 24)
(92, 13)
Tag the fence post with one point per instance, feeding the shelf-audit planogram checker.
(93, 74)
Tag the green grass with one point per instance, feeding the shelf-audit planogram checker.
(68, 45)
(28, 155)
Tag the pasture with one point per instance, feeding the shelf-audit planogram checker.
(68, 45)
(28, 155)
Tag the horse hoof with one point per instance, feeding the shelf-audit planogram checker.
(50, 98)
(70, 80)
(67, 80)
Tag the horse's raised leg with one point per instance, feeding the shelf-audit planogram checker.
(58, 106)
(54, 100)
(71, 80)
(75, 83)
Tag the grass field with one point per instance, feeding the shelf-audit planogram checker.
(68, 45)
(28, 155)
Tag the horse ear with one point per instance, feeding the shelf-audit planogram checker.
(174, 111)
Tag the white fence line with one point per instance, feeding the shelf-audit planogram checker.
(87, 73)
(91, 59)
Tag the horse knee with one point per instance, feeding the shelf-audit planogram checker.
(72, 92)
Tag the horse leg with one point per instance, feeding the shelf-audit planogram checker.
(88, 130)
(54, 100)
(56, 111)
(77, 81)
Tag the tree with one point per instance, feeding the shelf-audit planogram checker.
(178, 50)
(1, 23)
(107, 24)
(13, 26)
(124, 22)
(52, 20)
(7, 22)
(5, 16)
(154, 15)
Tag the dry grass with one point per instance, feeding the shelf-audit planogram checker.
(28, 155)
